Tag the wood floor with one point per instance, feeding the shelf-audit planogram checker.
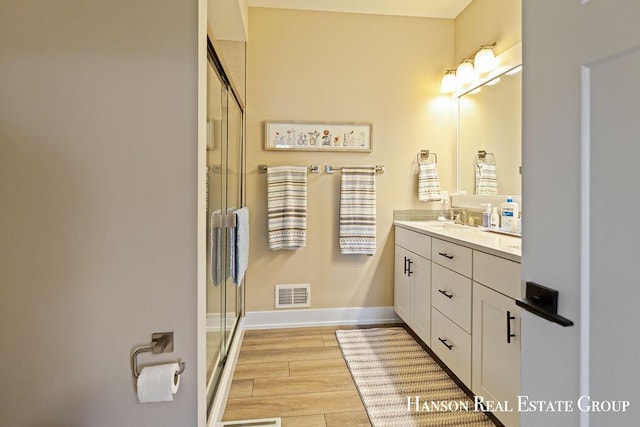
(298, 375)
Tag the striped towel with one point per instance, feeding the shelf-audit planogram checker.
(486, 183)
(358, 210)
(287, 206)
(428, 183)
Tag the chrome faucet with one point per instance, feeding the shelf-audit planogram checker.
(460, 217)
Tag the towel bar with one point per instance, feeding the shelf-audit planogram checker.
(161, 342)
(312, 168)
(331, 169)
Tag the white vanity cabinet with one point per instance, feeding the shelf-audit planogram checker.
(412, 285)
(474, 323)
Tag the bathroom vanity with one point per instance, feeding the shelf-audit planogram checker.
(455, 287)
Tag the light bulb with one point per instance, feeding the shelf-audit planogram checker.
(485, 60)
(449, 82)
(465, 73)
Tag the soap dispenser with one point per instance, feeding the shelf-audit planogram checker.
(495, 219)
(486, 215)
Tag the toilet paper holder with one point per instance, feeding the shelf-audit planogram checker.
(161, 342)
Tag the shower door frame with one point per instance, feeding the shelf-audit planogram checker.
(207, 398)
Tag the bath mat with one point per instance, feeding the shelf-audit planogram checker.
(401, 385)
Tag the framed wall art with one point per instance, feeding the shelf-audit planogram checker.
(318, 136)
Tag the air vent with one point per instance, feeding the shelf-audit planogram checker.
(293, 296)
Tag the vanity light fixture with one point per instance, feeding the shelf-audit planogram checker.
(465, 73)
(449, 82)
(485, 61)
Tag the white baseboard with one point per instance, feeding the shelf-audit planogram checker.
(320, 317)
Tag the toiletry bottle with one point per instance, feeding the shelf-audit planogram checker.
(486, 215)
(444, 207)
(495, 219)
(509, 215)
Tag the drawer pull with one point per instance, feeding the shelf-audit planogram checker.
(509, 334)
(446, 255)
(444, 341)
(409, 272)
(445, 293)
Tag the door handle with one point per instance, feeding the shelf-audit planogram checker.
(405, 265)
(214, 248)
(446, 255)
(445, 293)
(409, 272)
(444, 341)
(509, 334)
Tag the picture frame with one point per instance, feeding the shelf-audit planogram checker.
(318, 136)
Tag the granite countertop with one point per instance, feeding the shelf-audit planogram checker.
(501, 245)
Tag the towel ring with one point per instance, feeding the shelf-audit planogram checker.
(425, 154)
(481, 158)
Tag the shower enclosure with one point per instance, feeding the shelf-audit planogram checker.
(224, 195)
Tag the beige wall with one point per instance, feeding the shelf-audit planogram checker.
(98, 195)
(344, 67)
(485, 22)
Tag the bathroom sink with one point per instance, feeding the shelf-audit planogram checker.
(441, 225)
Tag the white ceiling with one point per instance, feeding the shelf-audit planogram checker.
(424, 8)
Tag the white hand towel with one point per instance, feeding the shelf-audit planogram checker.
(287, 207)
(428, 182)
(486, 181)
(358, 210)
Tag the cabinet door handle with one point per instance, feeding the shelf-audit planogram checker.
(509, 334)
(405, 265)
(445, 293)
(444, 341)
(409, 272)
(446, 255)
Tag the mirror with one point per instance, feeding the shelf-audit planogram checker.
(490, 120)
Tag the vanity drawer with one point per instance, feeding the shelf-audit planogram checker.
(455, 257)
(415, 242)
(452, 345)
(497, 273)
(451, 294)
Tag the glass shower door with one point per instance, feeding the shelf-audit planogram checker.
(217, 95)
(234, 201)
(225, 138)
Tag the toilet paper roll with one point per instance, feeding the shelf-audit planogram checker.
(158, 383)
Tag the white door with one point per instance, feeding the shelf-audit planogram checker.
(581, 152)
